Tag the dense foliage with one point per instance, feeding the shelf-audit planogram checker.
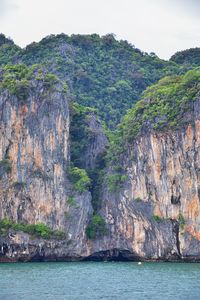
(17, 79)
(8, 51)
(79, 133)
(163, 104)
(96, 228)
(4, 40)
(115, 181)
(79, 178)
(103, 73)
(162, 107)
(187, 57)
(37, 230)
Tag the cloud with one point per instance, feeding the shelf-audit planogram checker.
(160, 26)
(193, 4)
(191, 7)
(6, 6)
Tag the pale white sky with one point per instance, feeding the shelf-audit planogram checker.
(160, 26)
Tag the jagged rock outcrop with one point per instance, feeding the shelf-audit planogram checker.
(156, 215)
(34, 141)
(20, 246)
(34, 156)
(97, 142)
(153, 211)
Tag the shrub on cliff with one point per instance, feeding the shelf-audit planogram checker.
(115, 182)
(79, 178)
(163, 104)
(96, 228)
(37, 230)
(49, 80)
(17, 79)
(5, 167)
(8, 50)
(181, 220)
(156, 218)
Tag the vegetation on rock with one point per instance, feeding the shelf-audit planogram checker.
(71, 201)
(37, 230)
(105, 77)
(19, 185)
(103, 73)
(8, 51)
(157, 218)
(115, 182)
(162, 105)
(79, 178)
(79, 133)
(5, 167)
(17, 79)
(181, 220)
(96, 228)
(187, 57)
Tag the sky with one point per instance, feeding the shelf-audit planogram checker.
(160, 26)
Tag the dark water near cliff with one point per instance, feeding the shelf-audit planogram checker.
(90, 280)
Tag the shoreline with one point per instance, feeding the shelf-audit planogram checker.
(75, 260)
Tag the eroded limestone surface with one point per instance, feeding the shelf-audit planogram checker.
(155, 215)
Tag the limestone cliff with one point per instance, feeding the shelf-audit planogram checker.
(156, 214)
(34, 156)
(148, 195)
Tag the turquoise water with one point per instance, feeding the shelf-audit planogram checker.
(91, 280)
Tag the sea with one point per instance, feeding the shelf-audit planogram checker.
(99, 280)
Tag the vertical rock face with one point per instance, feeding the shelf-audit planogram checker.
(34, 188)
(97, 143)
(34, 142)
(157, 213)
